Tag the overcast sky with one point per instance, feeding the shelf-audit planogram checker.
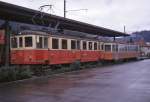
(112, 14)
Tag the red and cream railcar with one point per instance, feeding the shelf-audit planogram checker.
(118, 51)
(40, 48)
(32, 48)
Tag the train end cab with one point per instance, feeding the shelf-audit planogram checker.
(29, 48)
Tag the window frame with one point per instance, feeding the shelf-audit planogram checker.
(108, 45)
(86, 42)
(97, 46)
(21, 42)
(67, 47)
(12, 43)
(32, 42)
(58, 43)
(78, 45)
(75, 44)
(43, 42)
(90, 49)
(38, 42)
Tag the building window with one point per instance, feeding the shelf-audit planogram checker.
(64, 44)
(90, 46)
(55, 43)
(84, 45)
(14, 42)
(73, 44)
(20, 42)
(107, 47)
(95, 46)
(39, 42)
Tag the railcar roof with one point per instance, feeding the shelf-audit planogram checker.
(28, 32)
(25, 15)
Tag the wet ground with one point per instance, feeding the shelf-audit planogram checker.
(128, 82)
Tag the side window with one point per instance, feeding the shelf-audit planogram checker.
(95, 46)
(73, 44)
(55, 43)
(45, 42)
(114, 48)
(78, 45)
(102, 46)
(28, 42)
(90, 46)
(107, 47)
(84, 45)
(14, 42)
(64, 44)
(20, 42)
(39, 42)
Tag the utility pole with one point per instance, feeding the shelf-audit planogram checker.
(124, 29)
(64, 8)
(7, 44)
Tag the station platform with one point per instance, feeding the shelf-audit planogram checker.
(128, 82)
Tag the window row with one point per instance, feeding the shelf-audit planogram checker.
(41, 42)
(120, 48)
(74, 44)
(21, 42)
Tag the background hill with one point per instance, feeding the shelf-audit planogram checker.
(144, 34)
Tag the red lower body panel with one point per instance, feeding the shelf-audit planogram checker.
(52, 56)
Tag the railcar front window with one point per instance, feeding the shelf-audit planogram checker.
(39, 42)
(55, 43)
(64, 44)
(20, 42)
(45, 42)
(28, 42)
(14, 42)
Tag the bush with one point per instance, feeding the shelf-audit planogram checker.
(75, 66)
(14, 73)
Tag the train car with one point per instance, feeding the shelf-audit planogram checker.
(119, 51)
(32, 48)
(38, 48)
(2, 42)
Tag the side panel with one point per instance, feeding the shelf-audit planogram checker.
(107, 56)
(87, 56)
(52, 56)
(44, 56)
(29, 56)
(63, 56)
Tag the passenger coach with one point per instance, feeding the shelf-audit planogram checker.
(31, 47)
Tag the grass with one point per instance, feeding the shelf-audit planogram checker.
(14, 73)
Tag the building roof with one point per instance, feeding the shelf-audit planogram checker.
(12, 12)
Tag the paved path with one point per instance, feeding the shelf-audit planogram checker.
(129, 82)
